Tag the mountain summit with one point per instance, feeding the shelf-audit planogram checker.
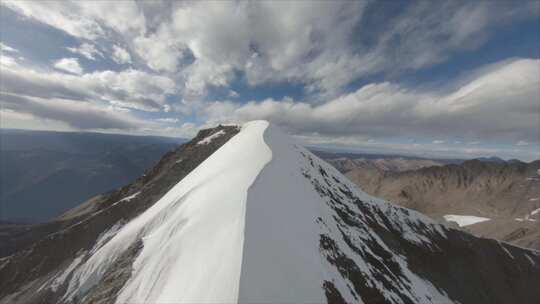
(243, 214)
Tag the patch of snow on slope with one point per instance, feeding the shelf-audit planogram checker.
(525, 219)
(105, 236)
(465, 220)
(192, 237)
(128, 198)
(4, 261)
(62, 277)
(533, 199)
(530, 260)
(534, 212)
(209, 138)
(506, 250)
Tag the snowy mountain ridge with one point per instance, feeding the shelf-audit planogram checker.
(263, 220)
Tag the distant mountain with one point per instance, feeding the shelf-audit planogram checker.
(492, 198)
(42, 173)
(383, 164)
(492, 159)
(372, 156)
(246, 215)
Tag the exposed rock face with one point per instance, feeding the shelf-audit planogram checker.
(507, 193)
(300, 232)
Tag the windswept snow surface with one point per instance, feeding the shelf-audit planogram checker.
(193, 236)
(465, 220)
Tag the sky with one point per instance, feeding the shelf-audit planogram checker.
(428, 78)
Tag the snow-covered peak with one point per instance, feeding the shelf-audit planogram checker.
(263, 220)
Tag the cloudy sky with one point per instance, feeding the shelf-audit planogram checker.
(447, 79)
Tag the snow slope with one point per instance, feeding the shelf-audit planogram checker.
(287, 219)
(192, 237)
(465, 220)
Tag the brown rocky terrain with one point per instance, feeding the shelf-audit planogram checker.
(506, 193)
(383, 164)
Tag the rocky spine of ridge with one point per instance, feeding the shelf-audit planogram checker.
(32, 255)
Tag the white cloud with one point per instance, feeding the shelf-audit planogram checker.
(233, 94)
(359, 144)
(183, 48)
(159, 51)
(87, 50)
(7, 48)
(386, 109)
(522, 143)
(70, 65)
(85, 19)
(128, 88)
(16, 120)
(323, 45)
(186, 130)
(438, 142)
(77, 114)
(7, 61)
(168, 120)
(62, 15)
(269, 41)
(120, 55)
(124, 17)
(7, 53)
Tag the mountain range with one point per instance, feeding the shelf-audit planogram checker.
(244, 214)
(490, 198)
